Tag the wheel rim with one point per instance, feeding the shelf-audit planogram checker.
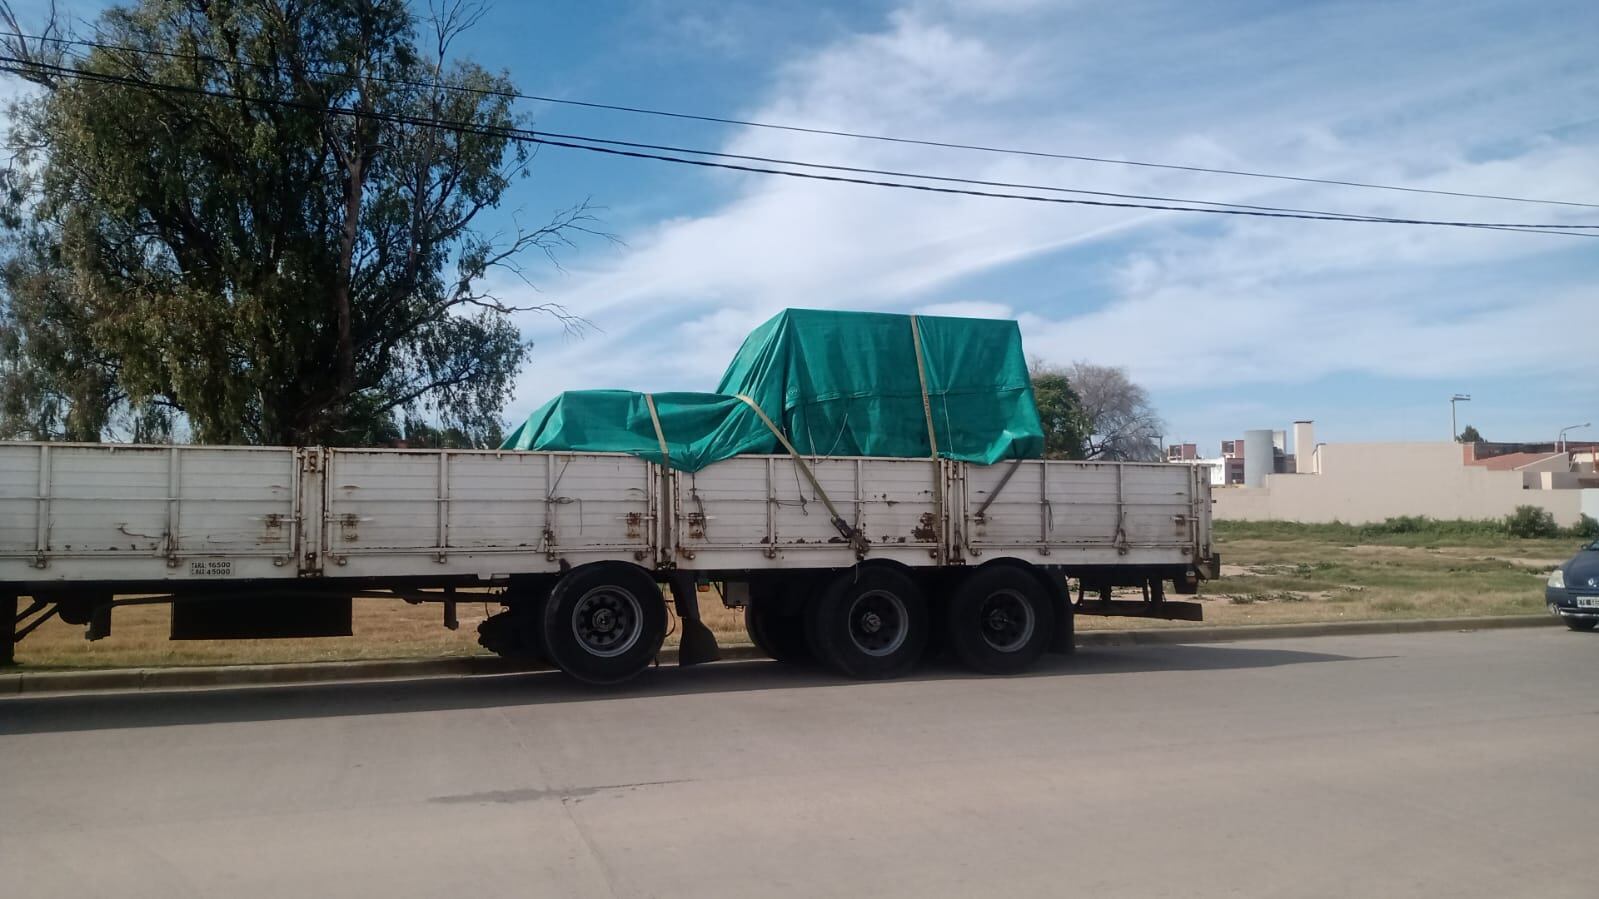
(607, 621)
(1006, 620)
(878, 623)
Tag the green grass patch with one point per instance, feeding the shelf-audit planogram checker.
(1520, 530)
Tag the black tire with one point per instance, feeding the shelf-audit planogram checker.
(1186, 584)
(869, 623)
(512, 634)
(604, 622)
(779, 636)
(517, 633)
(1581, 624)
(1000, 620)
(939, 586)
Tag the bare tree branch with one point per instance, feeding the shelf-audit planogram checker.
(1122, 425)
(38, 53)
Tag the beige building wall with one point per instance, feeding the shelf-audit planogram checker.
(1553, 462)
(1366, 482)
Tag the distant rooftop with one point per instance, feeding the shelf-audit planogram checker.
(1512, 461)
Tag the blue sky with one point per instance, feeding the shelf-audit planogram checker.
(1231, 324)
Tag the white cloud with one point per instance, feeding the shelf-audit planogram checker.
(1213, 300)
(969, 309)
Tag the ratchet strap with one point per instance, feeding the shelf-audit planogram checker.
(994, 494)
(855, 538)
(655, 419)
(921, 376)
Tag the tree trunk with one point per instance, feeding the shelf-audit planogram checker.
(356, 174)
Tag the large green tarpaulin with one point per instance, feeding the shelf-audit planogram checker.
(836, 383)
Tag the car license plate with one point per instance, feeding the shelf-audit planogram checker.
(1588, 602)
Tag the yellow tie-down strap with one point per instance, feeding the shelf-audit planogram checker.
(855, 537)
(655, 419)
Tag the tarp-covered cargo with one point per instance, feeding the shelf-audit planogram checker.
(836, 383)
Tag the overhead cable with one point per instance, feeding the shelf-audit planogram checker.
(828, 132)
(637, 151)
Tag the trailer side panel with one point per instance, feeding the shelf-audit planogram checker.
(757, 512)
(484, 514)
(1083, 513)
(93, 512)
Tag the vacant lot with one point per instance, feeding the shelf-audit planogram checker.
(1282, 573)
(1272, 574)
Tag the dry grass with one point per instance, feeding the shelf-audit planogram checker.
(1267, 580)
(384, 629)
(1297, 578)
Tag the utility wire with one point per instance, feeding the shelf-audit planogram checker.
(856, 135)
(790, 162)
(18, 66)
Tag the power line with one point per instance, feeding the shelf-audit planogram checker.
(11, 64)
(829, 132)
(775, 161)
(949, 179)
(540, 138)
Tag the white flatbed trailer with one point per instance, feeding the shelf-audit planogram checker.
(275, 541)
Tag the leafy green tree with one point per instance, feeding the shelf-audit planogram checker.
(1061, 411)
(1469, 435)
(235, 258)
(422, 435)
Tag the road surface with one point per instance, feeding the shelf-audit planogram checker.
(1451, 765)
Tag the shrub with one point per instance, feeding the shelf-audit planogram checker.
(1587, 528)
(1421, 524)
(1404, 524)
(1531, 521)
(1409, 530)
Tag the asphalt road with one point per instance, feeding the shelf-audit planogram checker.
(1449, 764)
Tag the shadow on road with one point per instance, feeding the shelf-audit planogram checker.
(105, 711)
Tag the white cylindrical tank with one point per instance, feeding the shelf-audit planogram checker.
(1305, 447)
(1259, 457)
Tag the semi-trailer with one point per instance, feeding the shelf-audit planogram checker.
(864, 485)
(277, 541)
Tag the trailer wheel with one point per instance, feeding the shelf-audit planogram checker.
(517, 633)
(604, 622)
(782, 637)
(938, 585)
(1187, 583)
(869, 623)
(1000, 620)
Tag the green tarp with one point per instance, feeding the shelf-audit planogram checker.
(837, 383)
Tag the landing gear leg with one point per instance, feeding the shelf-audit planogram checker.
(8, 632)
(697, 643)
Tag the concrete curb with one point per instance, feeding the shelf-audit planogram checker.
(1153, 636)
(406, 669)
(288, 673)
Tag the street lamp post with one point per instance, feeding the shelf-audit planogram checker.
(1560, 441)
(1454, 429)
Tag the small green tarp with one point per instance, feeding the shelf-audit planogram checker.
(837, 383)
